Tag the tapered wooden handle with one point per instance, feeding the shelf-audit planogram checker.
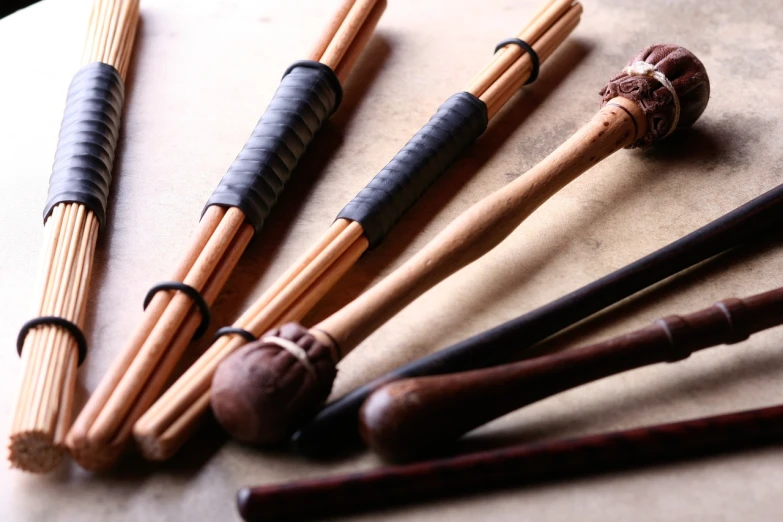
(486, 224)
(409, 418)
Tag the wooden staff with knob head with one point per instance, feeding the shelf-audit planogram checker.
(139, 373)
(170, 421)
(663, 87)
(49, 353)
(409, 418)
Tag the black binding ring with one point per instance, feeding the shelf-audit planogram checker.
(228, 330)
(529, 50)
(190, 292)
(71, 328)
(331, 78)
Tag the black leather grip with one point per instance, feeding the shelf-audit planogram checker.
(308, 94)
(88, 137)
(379, 205)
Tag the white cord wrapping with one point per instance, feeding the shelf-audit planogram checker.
(647, 69)
(295, 350)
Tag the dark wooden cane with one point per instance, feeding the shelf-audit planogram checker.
(413, 417)
(514, 465)
(334, 429)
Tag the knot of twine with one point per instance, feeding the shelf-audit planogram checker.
(647, 69)
(294, 349)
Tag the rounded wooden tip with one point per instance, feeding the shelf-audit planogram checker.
(686, 74)
(34, 451)
(400, 422)
(244, 500)
(262, 392)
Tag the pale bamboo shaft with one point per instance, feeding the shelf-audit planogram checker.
(43, 412)
(485, 224)
(356, 48)
(506, 56)
(509, 82)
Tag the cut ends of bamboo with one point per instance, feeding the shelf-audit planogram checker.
(50, 356)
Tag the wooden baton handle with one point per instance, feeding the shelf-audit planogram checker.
(408, 418)
(483, 226)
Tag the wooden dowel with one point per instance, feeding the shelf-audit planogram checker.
(346, 33)
(360, 42)
(331, 29)
(505, 57)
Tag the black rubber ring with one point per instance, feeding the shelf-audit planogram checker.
(71, 328)
(228, 330)
(529, 50)
(331, 77)
(190, 292)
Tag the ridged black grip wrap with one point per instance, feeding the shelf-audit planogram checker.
(88, 137)
(379, 205)
(308, 94)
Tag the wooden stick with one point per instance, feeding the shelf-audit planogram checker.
(332, 496)
(411, 418)
(161, 430)
(346, 33)
(507, 56)
(359, 43)
(329, 33)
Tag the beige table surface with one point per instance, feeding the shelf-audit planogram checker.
(201, 76)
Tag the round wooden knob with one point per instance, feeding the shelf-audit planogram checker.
(688, 78)
(262, 392)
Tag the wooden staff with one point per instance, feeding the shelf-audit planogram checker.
(409, 418)
(51, 351)
(638, 109)
(139, 373)
(334, 428)
(321, 497)
(169, 422)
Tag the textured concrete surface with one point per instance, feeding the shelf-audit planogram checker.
(203, 73)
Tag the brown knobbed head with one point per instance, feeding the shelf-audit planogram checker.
(262, 392)
(645, 79)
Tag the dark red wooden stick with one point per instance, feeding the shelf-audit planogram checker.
(412, 417)
(392, 486)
